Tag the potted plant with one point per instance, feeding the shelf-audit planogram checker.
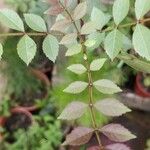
(142, 84)
(31, 83)
(45, 133)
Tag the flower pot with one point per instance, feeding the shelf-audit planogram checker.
(43, 78)
(22, 110)
(139, 87)
(19, 118)
(2, 120)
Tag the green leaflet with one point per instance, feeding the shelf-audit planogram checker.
(141, 41)
(11, 19)
(26, 49)
(51, 47)
(120, 10)
(35, 22)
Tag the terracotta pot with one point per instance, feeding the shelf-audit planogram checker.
(13, 123)
(2, 120)
(139, 87)
(41, 76)
(22, 110)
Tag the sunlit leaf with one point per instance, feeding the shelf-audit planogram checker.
(35, 22)
(1, 50)
(88, 28)
(97, 37)
(69, 38)
(79, 136)
(97, 64)
(141, 38)
(76, 87)
(77, 68)
(138, 64)
(26, 49)
(111, 107)
(117, 133)
(120, 10)
(141, 8)
(73, 111)
(80, 11)
(106, 86)
(113, 43)
(11, 19)
(99, 18)
(74, 49)
(61, 25)
(51, 47)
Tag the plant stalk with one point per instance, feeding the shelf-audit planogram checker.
(85, 57)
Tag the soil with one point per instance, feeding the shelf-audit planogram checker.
(16, 121)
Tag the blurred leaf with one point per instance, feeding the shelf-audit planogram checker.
(141, 8)
(73, 111)
(120, 10)
(76, 87)
(80, 11)
(79, 136)
(69, 38)
(135, 63)
(61, 25)
(106, 86)
(74, 49)
(35, 22)
(99, 18)
(11, 19)
(51, 47)
(97, 64)
(90, 42)
(117, 133)
(26, 49)
(117, 146)
(141, 38)
(113, 43)
(111, 107)
(88, 28)
(77, 68)
(54, 10)
(1, 50)
(97, 37)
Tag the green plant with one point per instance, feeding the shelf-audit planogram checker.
(5, 105)
(87, 32)
(42, 135)
(148, 145)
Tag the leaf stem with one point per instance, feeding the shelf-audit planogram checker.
(23, 33)
(126, 25)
